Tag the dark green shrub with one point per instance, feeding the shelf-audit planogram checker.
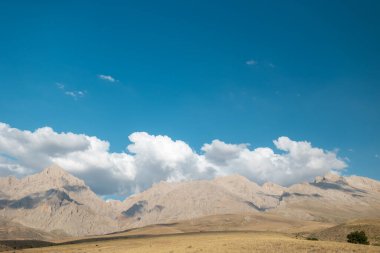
(312, 239)
(357, 237)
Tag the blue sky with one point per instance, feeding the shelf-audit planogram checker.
(238, 71)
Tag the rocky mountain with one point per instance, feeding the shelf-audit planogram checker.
(331, 198)
(56, 202)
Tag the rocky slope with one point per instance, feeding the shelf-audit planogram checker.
(56, 202)
(13, 231)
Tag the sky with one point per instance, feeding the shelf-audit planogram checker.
(173, 90)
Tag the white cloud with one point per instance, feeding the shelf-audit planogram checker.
(60, 86)
(149, 159)
(26, 152)
(251, 62)
(76, 94)
(107, 78)
(220, 153)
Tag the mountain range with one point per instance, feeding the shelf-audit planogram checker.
(55, 204)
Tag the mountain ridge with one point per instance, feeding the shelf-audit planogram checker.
(55, 200)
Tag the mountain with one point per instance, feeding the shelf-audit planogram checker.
(331, 198)
(57, 203)
(54, 200)
(171, 202)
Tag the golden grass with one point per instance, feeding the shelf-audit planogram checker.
(215, 242)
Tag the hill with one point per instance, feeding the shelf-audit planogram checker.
(371, 227)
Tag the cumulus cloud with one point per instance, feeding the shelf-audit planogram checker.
(27, 152)
(149, 159)
(107, 78)
(220, 153)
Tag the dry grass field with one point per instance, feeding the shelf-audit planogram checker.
(219, 233)
(233, 222)
(207, 242)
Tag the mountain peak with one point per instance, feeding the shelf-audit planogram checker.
(53, 176)
(273, 188)
(232, 178)
(54, 170)
(329, 177)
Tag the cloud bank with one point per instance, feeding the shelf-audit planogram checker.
(150, 159)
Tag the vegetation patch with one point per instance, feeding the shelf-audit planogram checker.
(357, 237)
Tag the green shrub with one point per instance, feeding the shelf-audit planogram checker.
(357, 237)
(312, 239)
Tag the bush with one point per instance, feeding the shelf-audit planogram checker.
(357, 237)
(312, 239)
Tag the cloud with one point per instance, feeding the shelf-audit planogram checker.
(220, 153)
(251, 62)
(76, 94)
(60, 86)
(107, 78)
(26, 152)
(149, 159)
